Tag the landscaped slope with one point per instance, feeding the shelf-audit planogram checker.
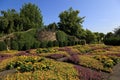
(84, 62)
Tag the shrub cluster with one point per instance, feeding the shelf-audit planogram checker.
(3, 46)
(115, 41)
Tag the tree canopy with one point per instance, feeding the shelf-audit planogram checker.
(70, 22)
(12, 21)
(31, 16)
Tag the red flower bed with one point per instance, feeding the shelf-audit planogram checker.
(56, 56)
(88, 74)
(4, 56)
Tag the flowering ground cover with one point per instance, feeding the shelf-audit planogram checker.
(80, 62)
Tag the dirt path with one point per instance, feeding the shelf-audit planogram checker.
(3, 73)
(115, 75)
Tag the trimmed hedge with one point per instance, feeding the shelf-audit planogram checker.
(61, 36)
(115, 41)
(3, 46)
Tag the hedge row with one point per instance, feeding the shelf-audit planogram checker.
(3, 46)
(115, 41)
(17, 45)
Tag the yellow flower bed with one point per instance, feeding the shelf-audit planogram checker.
(10, 52)
(90, 62)
(58, 71)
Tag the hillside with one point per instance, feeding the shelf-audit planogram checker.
(84, 62)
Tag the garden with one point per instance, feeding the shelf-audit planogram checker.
(79, 62)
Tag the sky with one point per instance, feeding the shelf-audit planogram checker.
(100, 15)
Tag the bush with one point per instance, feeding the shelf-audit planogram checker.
(61, 36)
(36, 44)
(25, 39)
(43, 44)
(65, 43)
(55, 43)
(26, 46)
(61, 44)
(50, 44)
(115, 41)
(82, 42)
(3, 46)
(14, 45)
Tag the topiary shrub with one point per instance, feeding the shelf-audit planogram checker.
(43, 44)
(55, 43)
(14, 45)
(61, 36)
(61, 44)
(50, 44)
(36, 44)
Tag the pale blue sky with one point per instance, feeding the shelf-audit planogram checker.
(101, 15)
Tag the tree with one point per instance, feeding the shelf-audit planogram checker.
(10, 21)
(90, 37)
(99, 36)
(52, 26)
(117, 31)
(70, 22)
(109, 35)
(31, 16)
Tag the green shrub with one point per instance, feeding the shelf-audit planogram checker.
(36, 44)
(43, 44)
(61, 44)
(115, 41)
(108, 63)
(50, 44)
(55, 43)
(3, 46)
(26, 46)
(65, 43)
(61, 36)
(25, 39)
(14, 45)
(82, 42)
(38, 51)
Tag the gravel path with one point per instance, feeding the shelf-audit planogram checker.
(115, 75)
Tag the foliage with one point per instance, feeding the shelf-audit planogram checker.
(115, 41)
(3, 46)
(90, 37)
(99, 37)
(88, 74)
(52, 27)
(14, 45)
(61, 36)
(45, 50)
(50, 44)
(43, 44)
(90, 62)
(107, 61)
(43, 69)
(117, 31)
(70, 22)
(31, 16)
(36, 44)
(12, 21)
(25, 40)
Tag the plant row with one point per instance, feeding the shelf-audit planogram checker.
(24, 45)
